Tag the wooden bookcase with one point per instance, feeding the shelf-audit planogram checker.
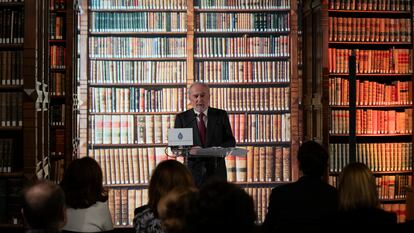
(61, 83)
(137, 75)
(23, 100)
(380, 34)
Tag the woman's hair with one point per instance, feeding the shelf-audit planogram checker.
(357, 188)
(222, 207)
(167, 175)
(82, 183)
(175, 208)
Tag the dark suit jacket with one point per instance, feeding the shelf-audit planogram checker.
(365, 220)
(302, 206)
(218, 133)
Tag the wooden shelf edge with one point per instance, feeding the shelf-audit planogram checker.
(11, 174)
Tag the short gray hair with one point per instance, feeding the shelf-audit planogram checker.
(198, 83)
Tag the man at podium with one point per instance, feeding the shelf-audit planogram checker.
(211, 128)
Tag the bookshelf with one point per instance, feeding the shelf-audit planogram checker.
(61, 82)
(137, 76)
(11, 119)
(379, 33)
(22, 104)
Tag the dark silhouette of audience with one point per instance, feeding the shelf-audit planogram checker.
(409, 213)
(305, 204)
(175, 208)
(222, 207)
(168, 175)
(44, 207)
(86, 198)
(359, 206)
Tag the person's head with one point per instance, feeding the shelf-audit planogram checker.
(82, 183)
(313, 159)
(222, 207)
(175, 208)
(44, 206)
(357, 188)
(199, 95)
(168, 175)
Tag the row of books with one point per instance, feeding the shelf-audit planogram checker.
(10, 67)
(128, 129)
(243, 4)
(135, 165)
(11, 26)
(122, 203)
(398, 61)
(133, 47)
(57, 170)
(182, 4)
(134, 4)
(137, 99)
(242, 71)
(138, 21)
(369, 29)
(371, 5)
(6, 154)
(370, 92)
(57, 114)
(370, 121)
(114, 72)
(57, 56)
(261, 196)
(10, 200)
(57, 142)
(173, 99)
(260, 127)
(251, 98)
(129, 165)
(11, 105)
(398, 208)
(379, 157)
(271, 46)
(11, 1)
(57, 83)
(56, 26)
(242, 22)
(393, 186)
(262, 164)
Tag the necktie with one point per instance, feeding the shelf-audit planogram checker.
(202, 128)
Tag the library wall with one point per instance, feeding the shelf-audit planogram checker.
(140, 59)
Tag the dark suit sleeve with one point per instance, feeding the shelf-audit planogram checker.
(178, 121)
(228, 138)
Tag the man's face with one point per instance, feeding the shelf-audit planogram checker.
(199, 97)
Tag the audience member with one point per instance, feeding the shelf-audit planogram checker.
(175, 208)
(44, 208)
(358, 201)
(222, 207)
(304, 204)
(408, 224)
(86, 198)
(168, 175)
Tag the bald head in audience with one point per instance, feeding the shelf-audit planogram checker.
(44, 206)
